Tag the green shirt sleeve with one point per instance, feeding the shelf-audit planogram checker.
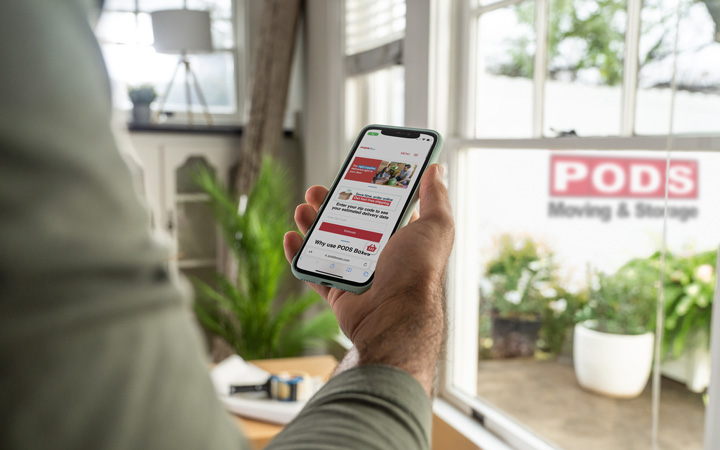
(369, 407)
(98, 349)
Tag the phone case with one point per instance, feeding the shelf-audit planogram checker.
(403, 221)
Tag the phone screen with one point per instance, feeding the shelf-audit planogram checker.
(366, 205)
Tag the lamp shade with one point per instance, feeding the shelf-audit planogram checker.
(182, 31)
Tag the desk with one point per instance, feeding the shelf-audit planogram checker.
(260, 433)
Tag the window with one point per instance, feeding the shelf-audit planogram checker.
(557, 130)
(571, 80)
(558, 176)
(375, 83)
(125, 35)
(698, 79)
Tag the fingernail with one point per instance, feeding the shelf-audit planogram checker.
(441, 170)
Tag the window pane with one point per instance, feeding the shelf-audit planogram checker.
(372, 23)
(505, 64)
(586, 45)
(478, 3)
(130, 65)
(117, 28)
(218, 8)
(119, 5)
(157, 5)
(127, 39)
(690, 280)
(559, 238)
(697, 102)
(378, 97)
(222, 34)
(144, 29)
(215, 73)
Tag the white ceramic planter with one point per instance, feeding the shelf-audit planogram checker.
(616, 365)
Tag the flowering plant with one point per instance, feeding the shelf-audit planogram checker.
(689, 292)
(559, 317)
(520, 281)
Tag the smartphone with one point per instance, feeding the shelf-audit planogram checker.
(373, 195)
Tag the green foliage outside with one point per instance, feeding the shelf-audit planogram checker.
(624, 302)
(689, 293)
(595, 29)
(600, 33)
(521, 279)
(522, 283)
(558, 319)
(689, 287)
(252, 313)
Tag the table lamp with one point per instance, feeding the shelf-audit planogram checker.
(182, 32)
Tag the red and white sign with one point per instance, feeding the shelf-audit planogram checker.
(374, 201)
(588, 176)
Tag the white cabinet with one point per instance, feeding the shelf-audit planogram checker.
(178, 205)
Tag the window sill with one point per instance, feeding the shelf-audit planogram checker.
(463, 431)
(233, 130)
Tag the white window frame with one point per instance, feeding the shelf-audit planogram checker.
(436, 52)
(458, 369)
(243, 17)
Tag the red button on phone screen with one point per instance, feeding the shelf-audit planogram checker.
(349, 231)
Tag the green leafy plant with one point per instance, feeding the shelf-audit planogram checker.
(522, 283)
(596, 29)
(689, 293)
(251, 313)
(558, 318)
(624, 302)
(142, 94)
(520, 279)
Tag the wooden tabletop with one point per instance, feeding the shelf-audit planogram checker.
(260, 433)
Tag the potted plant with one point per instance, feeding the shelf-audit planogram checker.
(250, 311)
(689, 293)
(558, 320)
(142, 96)
(613, 339)
(518, 286)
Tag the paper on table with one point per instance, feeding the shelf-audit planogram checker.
(234, 370)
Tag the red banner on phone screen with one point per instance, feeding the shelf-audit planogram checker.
(350, 231)
(363, 169)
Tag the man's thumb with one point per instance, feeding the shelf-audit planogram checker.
(434, 199)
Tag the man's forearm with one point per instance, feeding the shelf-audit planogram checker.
(367, 407)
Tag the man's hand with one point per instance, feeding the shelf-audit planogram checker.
(400, 320)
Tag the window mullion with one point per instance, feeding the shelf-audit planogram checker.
(493, 6)
(631, 67)
(615, 143)
(466, 76)
(712, 413)
(540, 65)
